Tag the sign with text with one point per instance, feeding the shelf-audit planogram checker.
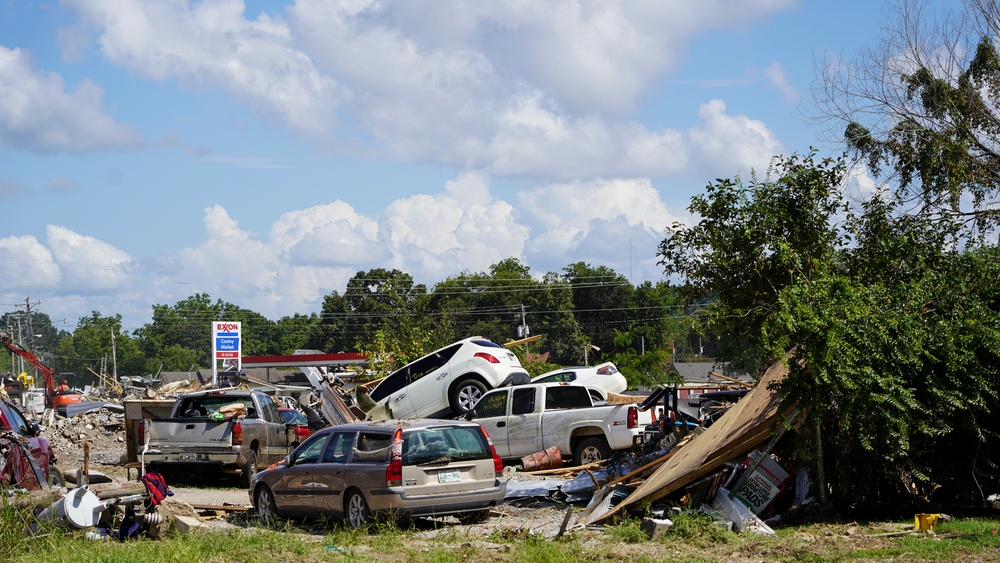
(226, 347)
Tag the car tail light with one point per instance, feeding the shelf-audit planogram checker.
(237, 434)
(142, 432)
(497, 462)
(488, 357)
(394, 473)
(633, 417)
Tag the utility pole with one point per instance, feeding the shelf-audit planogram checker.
(523, 331)
(114, 354)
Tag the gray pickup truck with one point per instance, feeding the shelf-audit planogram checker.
(191, 437)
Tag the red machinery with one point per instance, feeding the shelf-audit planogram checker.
(52, 399)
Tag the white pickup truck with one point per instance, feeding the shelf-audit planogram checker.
(526, 419)
(191, 438)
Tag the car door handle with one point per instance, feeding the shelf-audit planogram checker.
(501, 424)
(400, 398)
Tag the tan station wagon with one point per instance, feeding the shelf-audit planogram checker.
(392, 468)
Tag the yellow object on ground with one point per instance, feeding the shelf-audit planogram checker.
(925, 521)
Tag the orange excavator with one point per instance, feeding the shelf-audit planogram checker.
(54, 398)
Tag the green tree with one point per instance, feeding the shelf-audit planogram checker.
(602, 300)
(188, 324)
(331, 334)
(297, 332)
(891, 341)
(99, 344)
(374, 298)
(752, 240)
(920, 105)
(494, 304)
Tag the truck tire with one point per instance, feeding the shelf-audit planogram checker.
(465, 395)
(249, 469)
(590, 450)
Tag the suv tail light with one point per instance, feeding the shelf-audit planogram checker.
(394, 472)
(633, 417)
(488, 357)
(497, 462)
(142, 432)
(237, 434)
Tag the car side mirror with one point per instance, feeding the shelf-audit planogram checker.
(35, 428)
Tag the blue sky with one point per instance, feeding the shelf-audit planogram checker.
(264, 152)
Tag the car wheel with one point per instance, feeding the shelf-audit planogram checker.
(249, 469)
(56, 480)
(356, 510)
(590, 450)
(267, 509)
(477, 517)
(465, 395)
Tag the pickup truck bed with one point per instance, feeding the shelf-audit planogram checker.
(238, 445)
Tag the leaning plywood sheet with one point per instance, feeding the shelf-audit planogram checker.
(738, 431)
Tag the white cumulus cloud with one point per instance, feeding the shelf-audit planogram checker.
(38, 114)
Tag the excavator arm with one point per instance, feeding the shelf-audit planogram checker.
(48, 374)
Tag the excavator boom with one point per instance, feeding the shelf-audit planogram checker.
(48, 373)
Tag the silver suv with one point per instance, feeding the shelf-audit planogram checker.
(394, 468)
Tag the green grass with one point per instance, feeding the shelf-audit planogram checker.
(693, 538)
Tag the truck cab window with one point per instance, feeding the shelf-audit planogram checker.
(523, 401)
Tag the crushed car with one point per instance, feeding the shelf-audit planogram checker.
(447, 382)
(20, 434)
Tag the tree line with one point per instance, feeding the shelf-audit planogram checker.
(585, 314)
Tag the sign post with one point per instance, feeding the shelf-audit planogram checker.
(226, 347)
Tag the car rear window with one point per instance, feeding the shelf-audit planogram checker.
(486, 343)
(201, 407)
(444, 443)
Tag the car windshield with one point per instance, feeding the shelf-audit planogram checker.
(442, 444)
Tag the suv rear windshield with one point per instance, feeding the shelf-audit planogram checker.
(444, 443)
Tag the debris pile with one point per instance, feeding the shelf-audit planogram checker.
(104, 429)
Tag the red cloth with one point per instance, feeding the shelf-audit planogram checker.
(156, 487)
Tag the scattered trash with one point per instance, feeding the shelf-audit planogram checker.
(925, 521)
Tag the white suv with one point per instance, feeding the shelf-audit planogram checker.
(447, 382)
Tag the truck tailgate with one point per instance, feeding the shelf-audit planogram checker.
(180, 433)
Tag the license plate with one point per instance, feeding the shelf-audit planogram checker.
(450, 476)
